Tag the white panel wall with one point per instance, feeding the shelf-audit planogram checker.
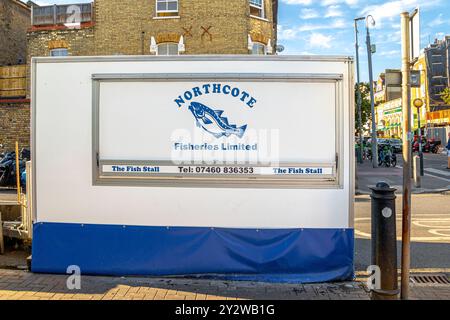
(62, 126)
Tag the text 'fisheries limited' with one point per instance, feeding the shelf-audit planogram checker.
(215, 147)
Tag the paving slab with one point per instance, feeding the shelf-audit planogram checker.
(52, 287)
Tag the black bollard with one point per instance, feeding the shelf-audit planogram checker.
(384, 241)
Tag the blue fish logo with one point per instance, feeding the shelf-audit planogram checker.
(213, 122)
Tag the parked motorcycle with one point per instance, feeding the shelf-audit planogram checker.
(387, 157)
(8, 167)
(367, 154)
(435, 145)
(426, 147)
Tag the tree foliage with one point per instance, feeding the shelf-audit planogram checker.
(446, 96)
(366, 113)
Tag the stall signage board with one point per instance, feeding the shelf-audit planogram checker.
(243, 126)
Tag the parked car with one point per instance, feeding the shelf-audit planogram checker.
(379, 141)
(397, 145)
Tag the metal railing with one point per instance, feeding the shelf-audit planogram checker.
(62, 14)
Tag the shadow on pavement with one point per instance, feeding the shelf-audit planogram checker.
(46, 286)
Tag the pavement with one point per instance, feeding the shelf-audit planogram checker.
(22, 285)
(435, 180)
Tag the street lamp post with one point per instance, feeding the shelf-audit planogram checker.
(407, 139)
(372, 97)
(358, 92)
(418, 103)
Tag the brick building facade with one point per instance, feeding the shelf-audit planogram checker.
(202, 26)
(14, 124)
(14, 110)
(150, 27)
(14, 23)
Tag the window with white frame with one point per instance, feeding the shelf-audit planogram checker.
(166, 8)
(59, 52)
(167, 49)
(257, 8)
(258, 48)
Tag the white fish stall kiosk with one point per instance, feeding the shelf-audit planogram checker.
(239, 167)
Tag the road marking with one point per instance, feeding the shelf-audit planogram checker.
(433, 176)
(439, 232)
(431, 223)
(417, 239)
(412, 270)
(436, 177)
(437, 171)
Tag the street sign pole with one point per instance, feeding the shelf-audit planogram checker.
(420, 144)
(407, 139)
(358, 92)
(372, 96)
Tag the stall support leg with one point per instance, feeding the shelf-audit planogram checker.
(2, 243)
(19, 191)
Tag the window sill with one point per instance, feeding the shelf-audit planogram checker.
(167, 17)
(259, 18)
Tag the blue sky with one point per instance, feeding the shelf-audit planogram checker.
(326, 27)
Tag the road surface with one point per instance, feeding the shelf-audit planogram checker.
(430, 231)
(436, 179)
